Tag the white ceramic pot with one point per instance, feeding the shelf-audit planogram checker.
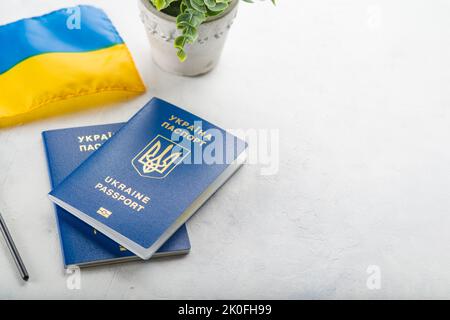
(202, 56)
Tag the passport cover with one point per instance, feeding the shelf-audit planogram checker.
(81, 244)
(151, 176)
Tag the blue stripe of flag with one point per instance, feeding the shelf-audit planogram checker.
(56, 32)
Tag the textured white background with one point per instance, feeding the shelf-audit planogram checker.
(360, 93)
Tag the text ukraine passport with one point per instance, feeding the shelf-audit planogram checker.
(81, 244)
(143, 184)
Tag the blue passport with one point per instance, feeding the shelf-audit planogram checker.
(81, 244)
(146, 181)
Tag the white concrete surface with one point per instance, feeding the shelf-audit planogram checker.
(359, 90)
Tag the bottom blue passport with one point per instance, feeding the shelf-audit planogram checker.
(81, 244)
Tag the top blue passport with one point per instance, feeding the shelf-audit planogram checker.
(151, 176)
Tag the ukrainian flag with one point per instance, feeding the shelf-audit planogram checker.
(62, 61)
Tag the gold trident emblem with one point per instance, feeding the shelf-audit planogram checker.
(159, 158)
(152, 162)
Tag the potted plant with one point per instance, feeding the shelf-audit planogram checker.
(187, 36)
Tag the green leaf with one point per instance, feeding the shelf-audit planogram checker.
(219, 7)
(190, 18)
(198, 5)
(210, 3)
(162, 4)
(181, 55)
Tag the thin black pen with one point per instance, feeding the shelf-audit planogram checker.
(12, 248)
